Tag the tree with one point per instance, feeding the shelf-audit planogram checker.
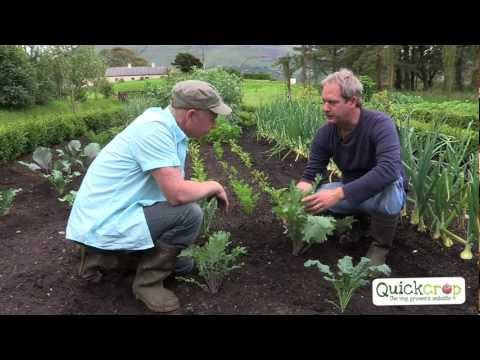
(287, 63)
(17, 77)
(186, 62)
(304, 62)
(122, 57)
(449, 60)
(379, 67)
(391, 58)
(476, 72)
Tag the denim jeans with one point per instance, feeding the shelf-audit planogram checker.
(388, 202)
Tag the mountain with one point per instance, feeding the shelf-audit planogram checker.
(250, 58)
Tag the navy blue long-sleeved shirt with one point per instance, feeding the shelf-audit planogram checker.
(369, 161)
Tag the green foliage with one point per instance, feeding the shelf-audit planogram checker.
(58, 173)
(69, 198)
(19, 138)
(104, 137)
(349, 278)
(246, 118)
(228, 85)
(302, 228)
(317, 228)
(257, 76)
(60, 180)
(137, 105)
(213, 260)
(17, 78)
(223, 132)
(209, 208)
(244, 156)
(218, 149)
(244, 192)
(6, 200)
(104, 87)
(198, 169)
(262, 180)
(291, 125)
(118, 56)
(369, 87)
(186, 62)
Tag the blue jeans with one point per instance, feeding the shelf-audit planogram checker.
(388, 202)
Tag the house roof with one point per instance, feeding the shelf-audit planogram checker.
(136, 71)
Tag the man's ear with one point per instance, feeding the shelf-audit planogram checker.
(189, 114)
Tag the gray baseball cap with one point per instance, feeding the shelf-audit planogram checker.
(200, 95)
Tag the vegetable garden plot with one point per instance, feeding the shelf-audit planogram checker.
(39, 267)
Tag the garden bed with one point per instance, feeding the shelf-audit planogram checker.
(38, 267)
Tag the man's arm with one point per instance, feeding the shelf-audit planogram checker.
(179, 191)
(318, 160)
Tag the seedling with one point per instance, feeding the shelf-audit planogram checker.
(349, 278)
(213, 261)
(6, 200)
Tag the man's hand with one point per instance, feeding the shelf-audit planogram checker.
(222, 198)
(322, 200)
(304, 186)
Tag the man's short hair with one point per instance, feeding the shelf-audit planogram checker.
(349, 84)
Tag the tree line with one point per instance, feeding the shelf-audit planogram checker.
(399, 67)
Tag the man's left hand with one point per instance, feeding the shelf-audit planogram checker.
(322, 200)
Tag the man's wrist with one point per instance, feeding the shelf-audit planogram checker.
(341, 194)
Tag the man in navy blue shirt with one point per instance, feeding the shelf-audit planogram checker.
(365, 146)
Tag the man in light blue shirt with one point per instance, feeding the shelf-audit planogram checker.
(134, 197)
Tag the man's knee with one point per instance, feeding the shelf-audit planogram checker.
(194, 214)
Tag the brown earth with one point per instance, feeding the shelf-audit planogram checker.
(38, 267)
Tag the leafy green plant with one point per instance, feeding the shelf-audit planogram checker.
(349, 278)
(473, 229)
(262, 180)
(6, 200)
(69, 198)
(198, 170)
(58, 173)
(244, 156)
(59, 180)
(213, 260)
(209, 208)
(244, 192)
(72, 153)
(302, 228)
(223, 132)
(218, 149)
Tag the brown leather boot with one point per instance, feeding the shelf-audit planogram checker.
(383, 232)
(154, 267)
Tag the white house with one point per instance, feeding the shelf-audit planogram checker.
(128, 73)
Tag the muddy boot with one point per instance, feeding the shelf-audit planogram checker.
(93, 262)
(359, 229)
(154, 267)
(383, 232)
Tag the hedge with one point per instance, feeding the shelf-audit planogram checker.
(23, 137)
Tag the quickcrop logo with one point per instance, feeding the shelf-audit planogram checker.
(418, 291)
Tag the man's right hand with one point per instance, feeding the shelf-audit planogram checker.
(222, 197)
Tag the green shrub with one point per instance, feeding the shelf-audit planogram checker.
(228, 85)
(17, 139)
(369, 87)
(257, 76)
(223, 132)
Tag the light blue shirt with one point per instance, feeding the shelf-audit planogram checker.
(108, 209)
